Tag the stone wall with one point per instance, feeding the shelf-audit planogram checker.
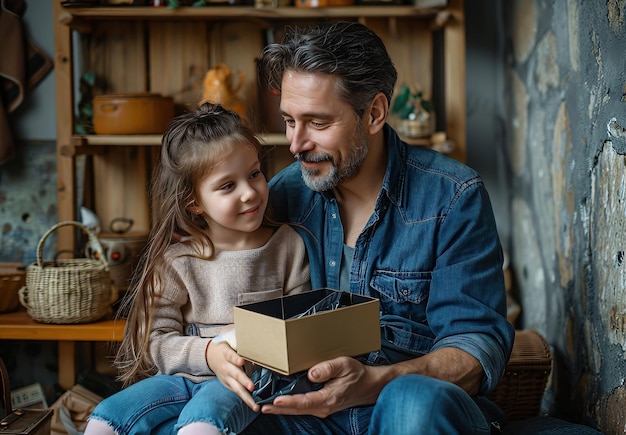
(566, 147)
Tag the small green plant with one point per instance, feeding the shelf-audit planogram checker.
(408, 103)
(412, 114)
(174, 4)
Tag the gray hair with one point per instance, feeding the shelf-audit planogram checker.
(349, 50)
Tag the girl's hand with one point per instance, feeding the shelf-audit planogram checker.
(228, 367)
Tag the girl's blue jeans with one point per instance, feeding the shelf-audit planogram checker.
(163, 404)
(410, 405)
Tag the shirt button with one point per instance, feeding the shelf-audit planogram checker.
(334, 215)
(332, 263)
(405, 292)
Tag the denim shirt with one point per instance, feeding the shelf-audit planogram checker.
(430, 253)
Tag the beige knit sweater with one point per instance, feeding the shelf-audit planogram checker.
(198, 291)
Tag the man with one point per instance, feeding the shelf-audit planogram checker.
(406, 225)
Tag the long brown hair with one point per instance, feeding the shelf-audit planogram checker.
(192, 145)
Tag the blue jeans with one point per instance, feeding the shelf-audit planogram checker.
(163, 404)
(409, 405)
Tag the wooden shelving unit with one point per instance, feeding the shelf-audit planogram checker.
(168, 51)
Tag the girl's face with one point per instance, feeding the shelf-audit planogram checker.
(233, 198)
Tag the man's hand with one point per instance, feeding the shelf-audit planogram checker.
(348, 383)
(227, 366)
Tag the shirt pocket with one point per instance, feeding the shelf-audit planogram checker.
(403, 294)
(258, 296)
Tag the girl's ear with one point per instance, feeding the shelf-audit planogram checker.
(379, 109)
(195, 209)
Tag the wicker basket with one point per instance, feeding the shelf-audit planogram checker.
(12, 278)
(521, 389)
(65, 291)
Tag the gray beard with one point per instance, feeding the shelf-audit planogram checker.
(331, 180)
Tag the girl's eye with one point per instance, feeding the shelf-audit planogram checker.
(255, 174)
(226, 186)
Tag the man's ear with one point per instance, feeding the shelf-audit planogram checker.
(379, 109)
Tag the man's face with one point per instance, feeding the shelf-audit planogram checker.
(323, 131)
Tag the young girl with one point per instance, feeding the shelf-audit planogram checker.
(210, 248)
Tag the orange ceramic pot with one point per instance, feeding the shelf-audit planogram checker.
(141, 113)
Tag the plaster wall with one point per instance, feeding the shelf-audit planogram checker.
(566, 148)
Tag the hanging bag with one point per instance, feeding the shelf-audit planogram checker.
(62, 291)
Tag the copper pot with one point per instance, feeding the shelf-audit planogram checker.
(140, 113)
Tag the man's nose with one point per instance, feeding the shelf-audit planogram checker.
(298, 140)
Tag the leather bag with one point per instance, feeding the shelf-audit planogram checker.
(21, 421)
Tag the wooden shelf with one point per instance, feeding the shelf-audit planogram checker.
(18, 325)
(422, 8)
(155, 139)
(95, 143)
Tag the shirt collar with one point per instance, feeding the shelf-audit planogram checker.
(393, 183)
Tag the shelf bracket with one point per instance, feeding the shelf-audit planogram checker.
(441, 19)
(76, 23)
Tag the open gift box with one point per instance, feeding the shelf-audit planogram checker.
(292, 333)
